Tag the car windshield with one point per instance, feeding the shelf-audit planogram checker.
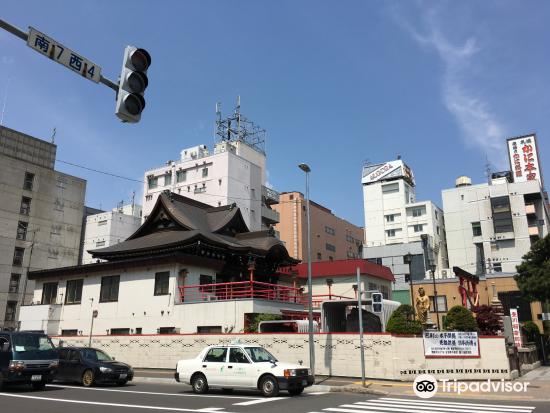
(31, 342)
(259, 354)
(95, 355)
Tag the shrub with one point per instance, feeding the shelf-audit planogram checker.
(257, 318)
(402, 321)
(460, 319)
(488, 321)
(531, 331)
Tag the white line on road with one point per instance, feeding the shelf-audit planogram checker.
(258, 401)
(434, 402)
(420, 408)
(317, 393)
(133, 406)
(156, 393)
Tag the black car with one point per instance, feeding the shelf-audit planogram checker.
(90, 366)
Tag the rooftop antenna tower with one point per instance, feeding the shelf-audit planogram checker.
(487, 169)
(237, 128)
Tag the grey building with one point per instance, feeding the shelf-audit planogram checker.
(40, 218)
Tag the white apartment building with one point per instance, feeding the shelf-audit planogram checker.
(234, 173)
(491, 226)
(109, 228)
(40, 217)
(395, 221)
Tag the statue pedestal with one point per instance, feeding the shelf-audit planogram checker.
(429, 324)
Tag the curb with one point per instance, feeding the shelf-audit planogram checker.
(311, 389)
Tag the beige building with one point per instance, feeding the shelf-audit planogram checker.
(332, 238)
(40, 218)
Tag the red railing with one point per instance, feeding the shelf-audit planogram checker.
(240, 290)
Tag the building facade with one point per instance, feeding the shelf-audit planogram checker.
(332, 238)
(490, 227)
(109, 228)
(395, 223)
(189, 268)
(40, 217)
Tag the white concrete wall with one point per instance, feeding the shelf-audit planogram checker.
(386, 356)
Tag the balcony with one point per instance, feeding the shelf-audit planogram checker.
(270, 216)
(243, 290)
(270, 196)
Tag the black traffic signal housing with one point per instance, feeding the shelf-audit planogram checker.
(376, 302)
(132, 84)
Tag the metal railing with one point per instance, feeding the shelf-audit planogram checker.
(239, 290)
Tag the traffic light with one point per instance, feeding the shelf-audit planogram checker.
(376, 302)
(132, 84)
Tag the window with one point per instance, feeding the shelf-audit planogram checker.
(236, 355)
(330, 247)
(109, 289)
(319, 256)
(204, 172)
(502, 214)
(435, 214)
(417, 212)
(441, 304)
(390, 218)
(476, 229)
(102, 222)
(161, 283)
(375, 260)
(148, 198)
(385, 291)
(120, 331)
(373, 286)
(330, 258)
(209, 329)
(14, 283)
(390, 188)
(330, 230)
(152, 182)
(29, 181)
(18, 254)
(67, 333)
(25, 208)
(418, 227)
(139, 330)
(497, 266)
(100, 243)
(390, 232)
(11, 309)
(49, 293)
(206, 279)
(167, 179)
(216, 355)
(73, 293)
(22, 230)
(437, 229)
(181, 176)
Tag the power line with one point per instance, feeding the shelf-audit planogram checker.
(101, 172)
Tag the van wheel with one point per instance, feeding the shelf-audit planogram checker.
(199, 383)
(88, 378)
(269, 386)
(296, 392)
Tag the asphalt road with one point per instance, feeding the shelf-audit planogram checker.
(179, 398)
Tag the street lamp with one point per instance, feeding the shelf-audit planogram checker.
(305, 167)
(407, 259)
(432, 270)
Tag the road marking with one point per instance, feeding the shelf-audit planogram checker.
(316, 393)
(435, 402)
(133, 406)
(258, 401)
(214, 396)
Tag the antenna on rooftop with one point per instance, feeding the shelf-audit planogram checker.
(53, 134)
(487, 169)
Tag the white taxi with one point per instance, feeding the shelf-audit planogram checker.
(242, 366)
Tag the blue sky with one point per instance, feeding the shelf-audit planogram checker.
(442, 84)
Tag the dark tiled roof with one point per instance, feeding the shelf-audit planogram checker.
(341, 268)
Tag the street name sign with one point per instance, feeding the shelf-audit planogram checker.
(63, 55)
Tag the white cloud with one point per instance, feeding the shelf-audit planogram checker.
(480, 127)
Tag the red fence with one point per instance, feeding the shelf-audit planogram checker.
(240, 290)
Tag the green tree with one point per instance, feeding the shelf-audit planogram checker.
(533, 275)
(460, 319)
(257, 318)
(402, 321)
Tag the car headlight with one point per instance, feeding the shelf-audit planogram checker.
(105, 370)
(290, 373)
(16, 365)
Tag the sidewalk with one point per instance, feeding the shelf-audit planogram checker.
(538, 388)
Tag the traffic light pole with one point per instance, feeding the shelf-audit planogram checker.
(25, 37)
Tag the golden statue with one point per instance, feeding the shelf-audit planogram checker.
(422, 305)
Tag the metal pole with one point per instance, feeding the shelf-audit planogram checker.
(92, 323)
(360, 307)
(412, 292)
(309, 284)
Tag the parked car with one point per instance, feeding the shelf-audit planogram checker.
(27, 358)
(242, 367)
(89, 366)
